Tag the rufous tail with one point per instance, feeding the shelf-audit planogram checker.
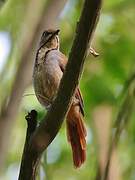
(76, 133)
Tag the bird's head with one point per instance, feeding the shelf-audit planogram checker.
(50, 39)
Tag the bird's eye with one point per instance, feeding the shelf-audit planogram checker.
(46, 33)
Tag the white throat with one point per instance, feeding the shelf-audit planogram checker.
(58, 42)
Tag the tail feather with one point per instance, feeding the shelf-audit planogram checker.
(76, 133)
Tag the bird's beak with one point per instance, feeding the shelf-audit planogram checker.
(56, 32)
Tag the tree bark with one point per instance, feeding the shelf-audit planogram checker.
(31, 123)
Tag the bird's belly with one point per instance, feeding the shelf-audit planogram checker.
(46, 84)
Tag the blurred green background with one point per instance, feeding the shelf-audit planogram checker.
(102, 85)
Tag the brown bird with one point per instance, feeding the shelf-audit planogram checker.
(49, 66)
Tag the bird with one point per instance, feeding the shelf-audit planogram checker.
(49, 67)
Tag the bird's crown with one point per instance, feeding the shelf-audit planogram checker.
(49, 37)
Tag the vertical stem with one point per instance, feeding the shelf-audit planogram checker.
(32, 124)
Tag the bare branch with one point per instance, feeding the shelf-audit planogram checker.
(49, 127)
(31, 123)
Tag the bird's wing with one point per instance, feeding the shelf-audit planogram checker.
(78, 96)
(62, 62)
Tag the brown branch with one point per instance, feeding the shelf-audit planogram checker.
(51, 124)
(24, 72)
(31, 123)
